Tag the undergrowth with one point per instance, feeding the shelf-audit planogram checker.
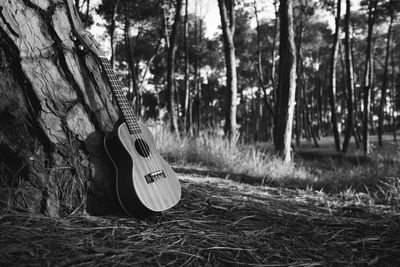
(215, 152)
(379, 179)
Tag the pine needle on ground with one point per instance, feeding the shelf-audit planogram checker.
(217, 223)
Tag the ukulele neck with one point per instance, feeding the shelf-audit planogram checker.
(121, 99)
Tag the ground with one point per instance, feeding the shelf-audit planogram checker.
(218, 222)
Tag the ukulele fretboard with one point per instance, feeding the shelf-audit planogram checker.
(122, 101)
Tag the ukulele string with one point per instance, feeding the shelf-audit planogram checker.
(129, 115)
(150, 163)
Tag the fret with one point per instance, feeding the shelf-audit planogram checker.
(122, 101)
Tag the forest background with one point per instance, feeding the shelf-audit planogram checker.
(327, 103)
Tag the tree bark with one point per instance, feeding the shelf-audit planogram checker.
(368, 75)
(133, 96)
(349, 80)
(260, 75)
(394, 93)
(86, 23)
(227, 14)
(173, 116)
(259, 71)
(55, 106)
(305, 101)
(384, 85)
(199, 33)
(286, 82)
(165, 24)
(273, 50)
(332, 91)
(77, 4)
(112, 33)
(187, 81)
(300, 83)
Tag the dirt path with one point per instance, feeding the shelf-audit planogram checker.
(217, 223)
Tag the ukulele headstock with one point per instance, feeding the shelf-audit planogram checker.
(86, 42)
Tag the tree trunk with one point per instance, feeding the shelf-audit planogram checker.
(86, 24)
(384, 85)
(227, 14)
(112, 33)
(77, 4)
(394, 94)
(308, 118)
(55, 106)
(332, 91)
(368, 75)
(173, 116)
(260, 76)
(349, 80)
(187, 81)
(244, 129)
(273, 50)
(300, 83)
(199, 33)
(134, 95)
(259, 72)
(165, 25)
(286, 82)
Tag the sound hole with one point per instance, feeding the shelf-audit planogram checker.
(142, 148)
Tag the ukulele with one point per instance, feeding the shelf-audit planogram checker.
(145, 182)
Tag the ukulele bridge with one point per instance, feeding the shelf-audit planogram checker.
(154, 176)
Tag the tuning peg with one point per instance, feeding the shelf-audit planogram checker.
(80, 47)
(73, 37)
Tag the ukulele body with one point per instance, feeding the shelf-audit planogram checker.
(145, 182)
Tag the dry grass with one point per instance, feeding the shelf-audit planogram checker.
(317, 168)
(217, 223)
(214, 152)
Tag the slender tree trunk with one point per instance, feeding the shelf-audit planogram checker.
(173, 116)
(308, 116)
(356, 102)
(253, 134)
(187, 81)
(349, 81)
(149, 62)
(77, 4)
(165, 25)
(300, 83)
(198, 77)
(368, 75)
(244, 130)
(309, 122)
(87, 13)
(196, 100)
(112, 33)
(318, 76)
(260, 75)
(54, 108)
(286, 84)
(134, 95)
(273, 50)
(332, 91)
(227, 14)
(298, 119)
(384, 86)
(394, 94)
